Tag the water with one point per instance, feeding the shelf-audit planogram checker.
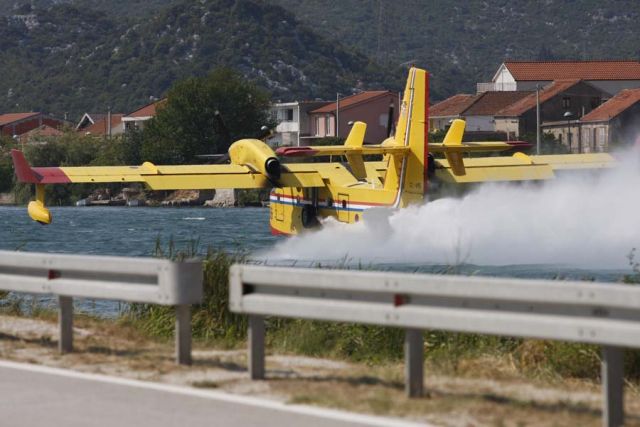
(572, 229)
(131, 232)
(134, 231)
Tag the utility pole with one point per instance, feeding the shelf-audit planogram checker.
(538, 119)
(109, 122)
(337, 114)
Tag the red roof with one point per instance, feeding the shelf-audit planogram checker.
(9, 118)
(582, 70)
(528, 102)
(616, 105)
(44, 130)
(100, 126)
(352, 100)
(148, 110)
(453, 106)
(490, 103)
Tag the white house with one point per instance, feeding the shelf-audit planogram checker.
(293, 122)
(610, 76)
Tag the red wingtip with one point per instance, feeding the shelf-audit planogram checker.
(22, 168)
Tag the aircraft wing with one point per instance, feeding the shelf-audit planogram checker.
(169, 177)
(520, 167)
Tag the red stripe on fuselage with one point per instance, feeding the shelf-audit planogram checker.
(301, 200)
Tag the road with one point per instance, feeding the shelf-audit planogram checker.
(33, 395)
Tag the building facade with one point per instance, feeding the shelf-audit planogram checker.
(608, 76)
(370, 107)
(293, 122)
(16, 124)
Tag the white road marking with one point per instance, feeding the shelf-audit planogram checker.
(331, 414)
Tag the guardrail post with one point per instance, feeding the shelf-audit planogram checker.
(256, 347)
(65, 322)
(612, 386)
(183, 334)
(413, 362)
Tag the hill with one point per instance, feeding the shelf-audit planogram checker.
(77, 55)
(68, 58)
(462, 43)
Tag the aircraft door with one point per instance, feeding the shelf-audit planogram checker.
(342, 206)
(279, 206)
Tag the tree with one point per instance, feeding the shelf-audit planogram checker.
(204, 115)
(6, 166)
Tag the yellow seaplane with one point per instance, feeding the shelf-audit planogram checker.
(304, 193)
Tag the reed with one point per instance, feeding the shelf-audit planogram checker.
(450, 352)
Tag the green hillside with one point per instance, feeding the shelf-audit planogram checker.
(462, 43)
(72, 59)
(71, 56)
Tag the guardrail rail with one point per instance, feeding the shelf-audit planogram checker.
(144, 280)
(605, 314)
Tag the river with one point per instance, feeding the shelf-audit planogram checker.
(135, 232)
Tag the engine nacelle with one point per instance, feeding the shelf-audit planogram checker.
(257, 155)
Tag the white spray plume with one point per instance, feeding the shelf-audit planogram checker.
(581, 220)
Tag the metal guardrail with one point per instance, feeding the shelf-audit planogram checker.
(144, 280)
(605, 314)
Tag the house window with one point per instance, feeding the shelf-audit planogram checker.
(317, 126)
(327, 125)
(566, 102)
(602, 139)
(586, 143)
(288, 114)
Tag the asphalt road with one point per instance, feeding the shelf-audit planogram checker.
(32, 395)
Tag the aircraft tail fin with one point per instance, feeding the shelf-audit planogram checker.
(407, 173)
(453, 138)
(356, 136)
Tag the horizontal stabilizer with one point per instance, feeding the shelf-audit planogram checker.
(340, 150)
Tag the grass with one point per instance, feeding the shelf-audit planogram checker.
(452, 353)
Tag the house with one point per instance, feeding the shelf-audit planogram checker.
(136, 119)
(39, 135)
(560, 100)
(16, 124)
(107, 126)
(293, 123)
(609, 76)
(478, 111)
(371, 107)
(88, 119)
(613, 124)
(480, 115)
(443, 112)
